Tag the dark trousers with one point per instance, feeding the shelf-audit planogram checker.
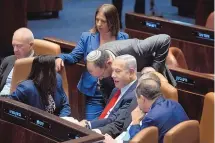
(139, 7)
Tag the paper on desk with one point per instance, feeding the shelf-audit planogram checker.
(71, 119)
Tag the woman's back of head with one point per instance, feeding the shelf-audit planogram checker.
(43, 75)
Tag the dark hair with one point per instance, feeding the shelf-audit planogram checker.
(100, 62)
(112, 16)
(43, 75)
(148, 88)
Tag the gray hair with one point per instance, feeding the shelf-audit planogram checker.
(149, 87)
(150, 75)
(130, 61)
(98, 57)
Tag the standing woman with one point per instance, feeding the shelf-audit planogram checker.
(43, 88)
(106, 29)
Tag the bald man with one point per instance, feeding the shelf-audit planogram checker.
(22, 42)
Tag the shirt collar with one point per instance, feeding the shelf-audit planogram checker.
(32, 54)
(125, 88)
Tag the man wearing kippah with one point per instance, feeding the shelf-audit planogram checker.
(149, 53)
(125, 80)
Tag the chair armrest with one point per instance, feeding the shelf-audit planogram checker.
(63, 44)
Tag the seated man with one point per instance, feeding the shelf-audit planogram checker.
(121, 126)
(150, 52)
(124, 76)
(22, 43)
(153, 110)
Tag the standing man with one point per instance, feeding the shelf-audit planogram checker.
(139, 7)
(22, 42)
(149, 53)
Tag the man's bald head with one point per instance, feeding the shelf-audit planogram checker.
(22, 42)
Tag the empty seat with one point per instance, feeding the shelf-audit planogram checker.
(175, 58)
(184, 132)
(207, 120)
(146, 135)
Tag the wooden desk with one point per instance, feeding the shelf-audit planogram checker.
(198, 52)
(176, 29)
(192, 87)
(22, 123)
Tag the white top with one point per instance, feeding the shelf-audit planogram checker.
(6, 88)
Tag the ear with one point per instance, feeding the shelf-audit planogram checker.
(143, 98)
(31, 44)
(131, 72)
(109, 62)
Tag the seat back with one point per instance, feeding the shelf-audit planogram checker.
(207, 120)
(146, 135)
(210, 21)
(167, 89)
(22, 68)
(184, 132)
(43, 47)
(175, 58)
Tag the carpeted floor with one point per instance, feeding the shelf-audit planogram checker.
(77, 16)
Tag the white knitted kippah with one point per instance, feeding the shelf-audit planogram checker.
(93, 56)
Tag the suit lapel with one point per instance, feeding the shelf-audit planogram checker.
(7, 70)
(130, 89)
(95, 41)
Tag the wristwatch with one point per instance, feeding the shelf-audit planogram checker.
(87, 125)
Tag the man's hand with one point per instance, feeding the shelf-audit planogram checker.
(109, 139)
(59, 64)
(137, 115)
(83, 123)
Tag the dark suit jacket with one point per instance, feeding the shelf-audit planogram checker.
(26, 92)
(149, 52)
(163, 114)
(88, 42)
(106, 124)
(5, 68)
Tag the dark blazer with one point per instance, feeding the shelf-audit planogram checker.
(149, 52)
(121, 106)
(26, 92)
(163, 114)
(88, 42)
(123, 119)
(5, 68)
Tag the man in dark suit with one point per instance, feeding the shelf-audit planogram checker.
(153, 110)
(124, 76)
(123, 121)
(22, 42)
(150, 52)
